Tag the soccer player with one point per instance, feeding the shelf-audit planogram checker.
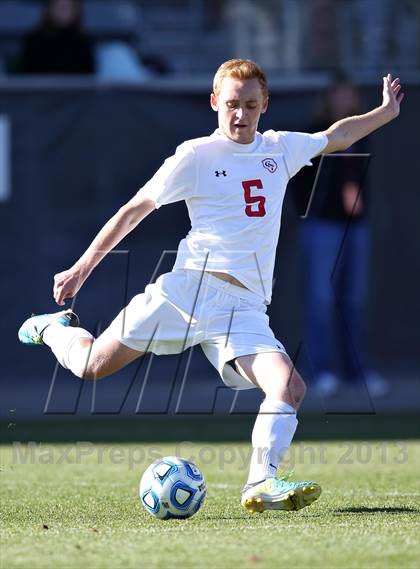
(233, 183)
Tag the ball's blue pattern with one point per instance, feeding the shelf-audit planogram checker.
(163, 480)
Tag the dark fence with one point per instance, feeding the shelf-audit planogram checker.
(78, 153)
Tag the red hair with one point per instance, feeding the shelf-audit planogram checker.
(240, 69)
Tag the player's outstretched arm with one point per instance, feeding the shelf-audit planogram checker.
(344, 133)
(69, 282)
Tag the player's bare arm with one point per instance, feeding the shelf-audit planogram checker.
(68, 283)
(342, 134)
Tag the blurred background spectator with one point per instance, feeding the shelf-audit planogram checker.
(253, 30)
(377, 33)
(58, 44)
(335, 247)
(140, 39)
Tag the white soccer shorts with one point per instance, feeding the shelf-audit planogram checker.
(186, 307)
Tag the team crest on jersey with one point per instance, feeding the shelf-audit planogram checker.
(269, 164)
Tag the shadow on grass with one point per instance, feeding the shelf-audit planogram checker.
(376, 510)
(343, 511)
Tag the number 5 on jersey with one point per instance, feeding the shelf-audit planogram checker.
(255, 204)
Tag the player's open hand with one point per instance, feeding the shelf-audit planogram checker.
(392, 95)
(66, 285)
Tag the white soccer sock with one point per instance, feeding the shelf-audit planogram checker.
(63, 341)
(273, 432)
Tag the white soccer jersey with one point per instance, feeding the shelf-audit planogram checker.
(234, 195)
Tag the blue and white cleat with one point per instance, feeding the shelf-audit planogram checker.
(277, 494)
(32, 329)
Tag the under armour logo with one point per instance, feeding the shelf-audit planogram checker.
(221, 173)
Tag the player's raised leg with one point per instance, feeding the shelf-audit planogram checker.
(272, 435)
(75, 348)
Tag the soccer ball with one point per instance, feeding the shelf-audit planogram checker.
(172, 488)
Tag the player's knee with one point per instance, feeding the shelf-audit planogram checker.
(82, 370)
(295, 382)
(299, 388)
(87, 364)
(94, 370)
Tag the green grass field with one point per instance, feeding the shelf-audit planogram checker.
(65, 505)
